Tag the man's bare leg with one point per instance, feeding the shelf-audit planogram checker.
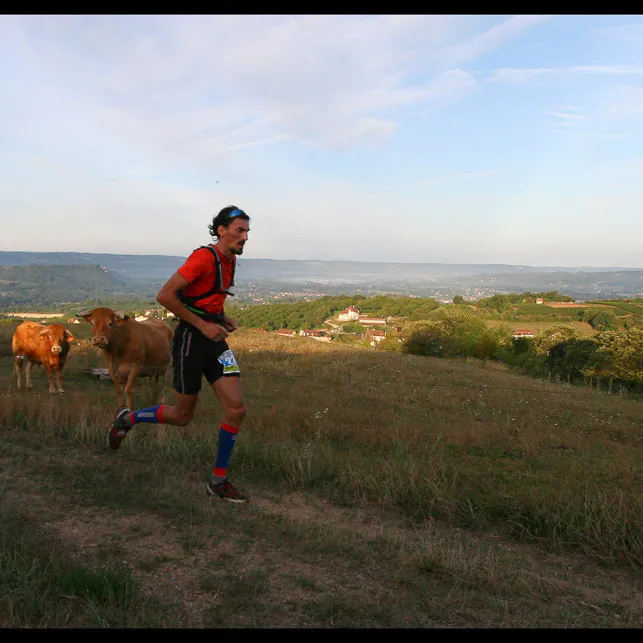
(178, 414)
(228, 391)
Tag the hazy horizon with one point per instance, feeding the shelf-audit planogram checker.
(153, 254)
(465, 139)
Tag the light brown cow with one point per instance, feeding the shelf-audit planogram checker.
(132, 348)
(40, 344)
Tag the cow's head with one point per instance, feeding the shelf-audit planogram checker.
(57, 339)
(103, 321)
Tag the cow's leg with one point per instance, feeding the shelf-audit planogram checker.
(50, 378)
(59, 381)
(129, 386)
(28, 373)
(161, 393)
(113, 368)
(120, 390)
(19, 361)
(150, 387)
(158, 387)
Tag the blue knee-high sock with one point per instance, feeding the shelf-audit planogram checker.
(153, 415)
(227, 439)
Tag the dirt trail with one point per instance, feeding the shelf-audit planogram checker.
(192, 582)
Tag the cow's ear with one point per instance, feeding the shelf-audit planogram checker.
(69, 336)
(119, 318)
(84, 316)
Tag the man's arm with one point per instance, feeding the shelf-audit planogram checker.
(167, 297)
(230, 324)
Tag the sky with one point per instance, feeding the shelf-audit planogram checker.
(402, 138)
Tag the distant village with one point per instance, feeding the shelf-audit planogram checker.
(154, 313)
(376, 327)
(374, 334)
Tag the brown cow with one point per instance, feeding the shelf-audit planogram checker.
(40, 344)
(132, 348)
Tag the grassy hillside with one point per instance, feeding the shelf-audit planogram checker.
(582, 328)
(387, 491)
(91, 276)
(44, 286)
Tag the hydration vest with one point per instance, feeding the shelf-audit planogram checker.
(191, 302)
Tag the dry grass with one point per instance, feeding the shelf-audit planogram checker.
(388, 490)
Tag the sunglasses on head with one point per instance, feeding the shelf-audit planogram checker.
(235, 213)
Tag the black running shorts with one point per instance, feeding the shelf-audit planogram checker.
(194, 355)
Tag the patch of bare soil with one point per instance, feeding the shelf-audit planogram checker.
(150, 548)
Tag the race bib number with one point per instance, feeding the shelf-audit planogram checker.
(229, 363)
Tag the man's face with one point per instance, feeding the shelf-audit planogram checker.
(235, 235)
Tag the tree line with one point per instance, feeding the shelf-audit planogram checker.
(609, 358)
(311, 314)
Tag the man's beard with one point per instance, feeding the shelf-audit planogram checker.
(237, 251)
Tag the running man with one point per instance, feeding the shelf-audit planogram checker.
(196, 294)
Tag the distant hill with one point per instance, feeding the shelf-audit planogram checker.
(89, 276)
(50, 284)
(157, 267)
(127, 267)
(258, 279)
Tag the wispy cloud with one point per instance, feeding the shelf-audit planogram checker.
(626, 100)
(438, 180)
(145, 43)
(565, 118)
(312, 122)
(511, 75)
(260, 142)
(631, 34)
(491, 39)
(332, 81)
(565, 115)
